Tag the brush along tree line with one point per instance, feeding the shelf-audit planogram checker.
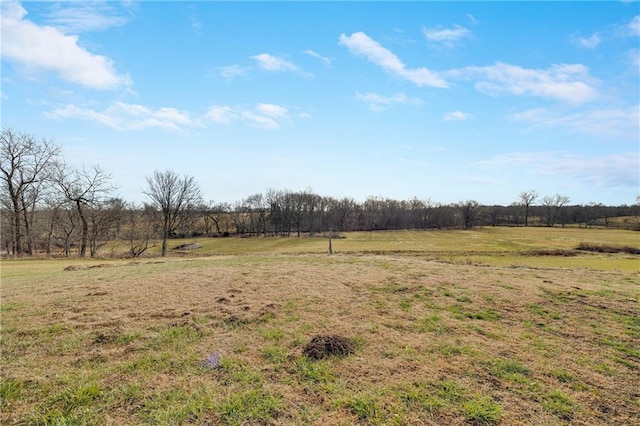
(49, 207)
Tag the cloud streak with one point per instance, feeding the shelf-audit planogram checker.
(272, 63)
(78, 17)
(590, 42)
(124, 116)
(446, 36)
(362, 45)
(456, 116)
(380, 102)
(324, 59)
(569, 83)
(606, 123)
(611, 170)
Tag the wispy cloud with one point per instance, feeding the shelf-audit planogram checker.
(44, 48)
(194, 20)
(566, 82)
(221, 114)
(78, 17)
(324, 59)
(361, 44)
(123, 116)
(634, 26)
(515, 159)
(272, 63)
(620, 169)
(590, 42)
(446, 36)
(231, 71)
(456, 116)
(605, 123)
(380, 102)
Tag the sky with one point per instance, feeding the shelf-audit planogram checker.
(442, 101)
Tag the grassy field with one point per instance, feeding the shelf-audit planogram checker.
(456, 327)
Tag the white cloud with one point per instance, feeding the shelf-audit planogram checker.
(587, 42)
(604, 123)
(566, 82)
(327, 61)
(260, 121)
(220, 114)
(472, 18)
(272, 63)
(456, 116)
(275, 111)
(77, 17)
(361, 44)
(380, 102)
(231, 71)
(46, 48)
(123, 116)
(446, 36)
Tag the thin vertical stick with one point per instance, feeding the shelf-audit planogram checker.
(330, 246)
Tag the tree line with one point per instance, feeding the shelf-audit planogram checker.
(50, 207)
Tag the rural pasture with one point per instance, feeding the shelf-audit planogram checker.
(486, 326)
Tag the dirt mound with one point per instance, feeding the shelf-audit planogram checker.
(324, 346)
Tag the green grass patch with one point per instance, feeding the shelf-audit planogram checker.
(253, 406)
(482, 410)
(560, 404)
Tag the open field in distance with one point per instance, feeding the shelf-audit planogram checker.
(455, 327)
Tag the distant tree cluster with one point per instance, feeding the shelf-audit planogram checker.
(49, 207)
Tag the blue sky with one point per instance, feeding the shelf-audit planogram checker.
(446, 101)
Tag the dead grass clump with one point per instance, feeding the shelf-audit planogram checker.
(603, 248)
(75, 268)
(555, 252)
(324, 346)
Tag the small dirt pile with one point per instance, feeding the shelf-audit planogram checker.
(324, 346)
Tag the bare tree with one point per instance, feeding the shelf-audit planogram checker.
(84, 189)
(219, 214)
(552, 205)
(469, 210)
(527, 198)
(24, 165)
(138, 227)
(105, 219)
(171, 194)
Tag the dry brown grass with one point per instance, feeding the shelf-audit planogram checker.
(436, 343)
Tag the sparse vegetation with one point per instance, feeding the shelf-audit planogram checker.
(604, 248)
(403, 335)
